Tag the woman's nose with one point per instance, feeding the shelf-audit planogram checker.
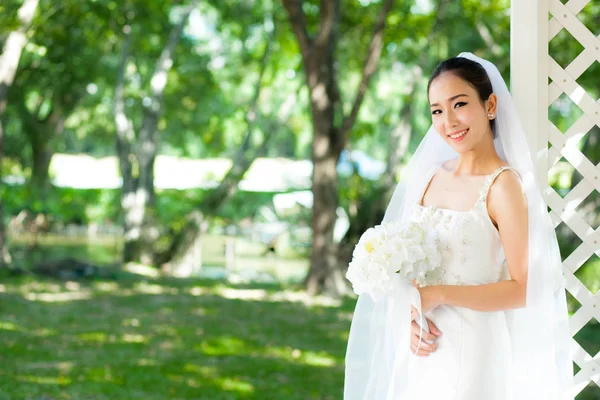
(451, 120)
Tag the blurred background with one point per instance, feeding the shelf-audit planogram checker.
(182, 184)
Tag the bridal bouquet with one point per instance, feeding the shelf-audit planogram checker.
(404, 248)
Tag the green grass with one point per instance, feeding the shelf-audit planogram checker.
(141, 338)
(168, 339)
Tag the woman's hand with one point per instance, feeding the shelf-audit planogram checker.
(428, 340)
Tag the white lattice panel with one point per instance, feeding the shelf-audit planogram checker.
(564, 144)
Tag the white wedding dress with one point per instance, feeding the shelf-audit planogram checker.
(472, 361)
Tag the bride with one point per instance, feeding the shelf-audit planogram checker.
(492, 324)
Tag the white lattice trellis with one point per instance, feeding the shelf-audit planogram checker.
(531, 33)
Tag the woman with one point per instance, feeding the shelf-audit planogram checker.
(496, 324)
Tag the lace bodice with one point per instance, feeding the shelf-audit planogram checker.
(471, 248)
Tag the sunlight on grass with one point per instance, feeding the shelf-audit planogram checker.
(101, 337)
(281, 296)
(165, 338)
(196, 291)
(203, 371)
(228, 345)
(97, 337)
(40, 286)
(151, 288)
(108, 287)
(133, 338)
(222, 346)
(44, 380)
(225, 383)
(142, 270)
(58, 297)
(131, 322)
(146, 362)
(44, 332)
(64, 366)
(242, 294)
(230, 384)
(9, 326)
(318, 359)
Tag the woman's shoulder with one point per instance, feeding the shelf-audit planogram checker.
(507, 176)
(507, 188)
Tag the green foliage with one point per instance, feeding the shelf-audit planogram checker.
(86, 206)
(174, 205)
(8, 18)
(64, 205)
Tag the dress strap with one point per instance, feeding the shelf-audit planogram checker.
(489, 180)
(429, 175)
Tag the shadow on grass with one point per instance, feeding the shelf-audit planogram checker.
(136, 338)
(168, 339)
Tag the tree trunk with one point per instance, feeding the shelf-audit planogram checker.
(124, 144)
(40, 137)
(324, 274)
(9, 61)
(186, 252)
(318, 56)
(137, 194)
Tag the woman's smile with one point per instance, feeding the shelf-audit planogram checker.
(458, 136)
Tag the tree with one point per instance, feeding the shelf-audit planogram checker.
(137, 193)
(65, 56)
(330, 127)
(9, 61)
(183, 257)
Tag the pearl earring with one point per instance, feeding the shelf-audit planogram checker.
(491, 116)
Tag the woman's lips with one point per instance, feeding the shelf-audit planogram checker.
(458, 136)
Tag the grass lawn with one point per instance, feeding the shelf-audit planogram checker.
(168, 339)
(174, 339)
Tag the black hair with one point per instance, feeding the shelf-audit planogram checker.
(471, 72)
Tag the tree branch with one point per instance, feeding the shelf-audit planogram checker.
(13, 46)
(124, 126)
(165, 62)
(148, 133)
(329, 13)
(486, 35)
(244, 157)
(252, 111)
(369, 68)
(298, 21)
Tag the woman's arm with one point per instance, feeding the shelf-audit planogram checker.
(507, 206)
(503, 295)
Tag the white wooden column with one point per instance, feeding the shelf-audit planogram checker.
(531, 66)
(529, 77)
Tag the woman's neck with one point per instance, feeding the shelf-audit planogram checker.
(481, 160)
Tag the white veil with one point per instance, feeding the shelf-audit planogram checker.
(378, 353)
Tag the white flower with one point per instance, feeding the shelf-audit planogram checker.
(406, 248)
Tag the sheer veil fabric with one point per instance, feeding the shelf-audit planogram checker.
(378, 354)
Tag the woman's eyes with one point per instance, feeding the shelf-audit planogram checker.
(459, 104)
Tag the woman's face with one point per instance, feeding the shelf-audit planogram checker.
(457, 113)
